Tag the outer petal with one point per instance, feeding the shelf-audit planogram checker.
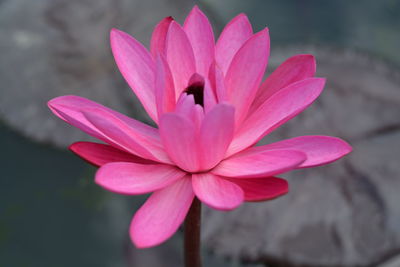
(278, 109)
(164, 87)
(162, 214)
(318, 149)
(245, 73)
(262, 188)
(100, 154)
(292, 70)
(123, 135)
(215, 135)
(179, 138)
(234, 35)
(159, 37)
(134, 179)
(200, 34)
(180, 57)
(216, 192)
(137, 66)
(254, 164)
(71, 108)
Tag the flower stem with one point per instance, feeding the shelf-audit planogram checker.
(192, 253)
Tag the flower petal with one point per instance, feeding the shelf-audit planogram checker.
(162, 214)
(100, 154)
(217, 82)
(137, 66)
(201, 36)
(164, 87)
(178, 135)
(70, 109)
(278, 109)
(215, 135)
(159, 37)
(252, 163)
(292, 70)
(134, 179)
(180, 57)
(245, 73)
(318, 149)
(234, 35)
(123, 135)
(209, 97)
(262, 188)
(216, 192)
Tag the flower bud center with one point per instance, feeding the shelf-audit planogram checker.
(197, 90)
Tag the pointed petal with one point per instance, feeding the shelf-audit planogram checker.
(129, 138)
(187, 108)
(209, 97)
(70, 109)
(216, 192)
(201, 36)
(100, 154)
(164, 87)
(254, 164)
(180, 57)
(245, 73)
(159, 37)
(262, 188)
(217, 82)
(292, 70)
(162, 214)
(137, 66)
(215, 135)
(234, 35)
(134, 179)
(278, 109)
(318, 149)
(179, 137)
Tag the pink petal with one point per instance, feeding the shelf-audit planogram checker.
(216, 192)
(126, 137)
(209, 97)
(178, 135)
(245, 73)
(164, 87)
(100, 154)
(137, 66)
(71, 108)
(252, 163)
(292, 70)
(318, 149)
(134, 179)
(215, 135)
(278, 109)
(159, 36)
(234, 35)
(180, 57)
(187, 108)
(217, 82)
(262, 188)
(162, 214)
(201, 36)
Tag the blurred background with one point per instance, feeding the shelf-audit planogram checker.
(343, 214)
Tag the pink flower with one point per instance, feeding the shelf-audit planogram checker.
(211, 108)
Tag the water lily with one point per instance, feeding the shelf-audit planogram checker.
(211, 107)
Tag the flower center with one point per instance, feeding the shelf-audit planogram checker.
(197, 90)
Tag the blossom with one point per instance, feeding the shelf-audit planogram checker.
(210, 107)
